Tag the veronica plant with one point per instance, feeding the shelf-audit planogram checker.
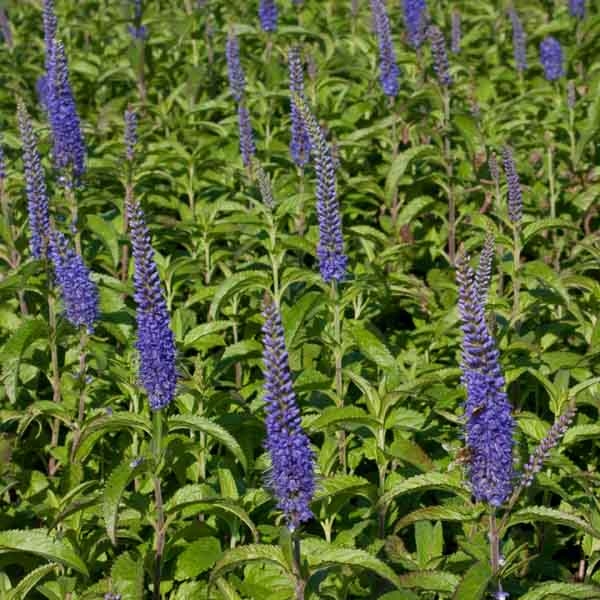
(388, 67)
(551, 57)
(415, 21)
(300, 140)
(519, 41)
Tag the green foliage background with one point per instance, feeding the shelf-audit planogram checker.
(397, 521)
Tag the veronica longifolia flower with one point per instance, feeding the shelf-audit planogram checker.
(237, 81)
(2, 163)
(330, 250)
(542, 452)
(155, 341)
(515, 196)
(519, 41)
(267, 13)
(577, 8)
(415, 21)
(50, 28)
(35, 182)
(551, 57)
(388, 68)
(292, 472)
(440, 55)
(6, 30)
(79, 293)
(68, 151)
(456, 32)
(130, 133)
(247, 147)
(300, 141)
(489, 424)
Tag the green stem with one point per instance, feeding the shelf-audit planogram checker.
(55, 374)
(157, 440)
(337, 353)
(516, 278)
(74, 215)
(297, 568)
(450, 175)
(552, 186)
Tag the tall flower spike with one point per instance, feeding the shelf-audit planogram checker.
(415, 21)
(68, 152)
(330, 250)
(542, 452)
(247, 147)
(551, 57)
(2, 163)
(50, 28)
(264, 185)
(292, 470)
(577, 8)
(440, 55)
(300, 141)
(519, 40)
(35, 182)
(388, 67)
(483, 276)
(130, 133)
(6, 30)
(79, 293)
(237, 81)
(267, 13)
(155, 341)
(515, 196)
(489, 424)
(456, 32)
(493, 166)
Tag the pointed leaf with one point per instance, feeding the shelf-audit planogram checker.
(422, 483)
(127, 576)
(242, 555)
(552, 515)
(439, 513)
(41, 543)
(373, 348)
(572, 591)
(221, 435)
(29, 581)
(475, 582)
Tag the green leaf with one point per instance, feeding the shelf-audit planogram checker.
(566, 591)
(552, 515)
(235, 284)
(341, 484)
(29, 581)
(12, 352)
(321, 555)
(432, 581)
(540, 225)
(422, 483)
(578, 433)
(475, 582)
(399, 166)
(439, 513)
(347, 416)
(198, 557)
(243, 555)
(373, 348)
(41, 543)
(203, 425)
(127, 576)
(114, 489)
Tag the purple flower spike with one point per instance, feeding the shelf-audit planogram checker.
(440, 55)
(247, 147)
(50, 29)
(330, 250)
(388, 68)
(35, 182)
(519, 41)
(2, 163)
(577, 8)
(515, 196)
(237, 81)
(456, 32)
(551, 57)
(415, 21)
(489, 423)
(155, 341)
(6, 30)
(79, 293)
(130, 133)
(300, 141)
(542, 452)
(267, 12)
(68, 152)
(292, 471)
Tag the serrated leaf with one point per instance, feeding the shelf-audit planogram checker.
(475, 582)
(578, 433)
(544, 224)
(552, 515)
(321, 555)
(198, 557)
(127, 576)
(114, 489)
(29, 581)
(237, 283)
(399, 167)
(568, 591)
(422, 483)
(243, 555)
(220, 434)
(439, 513)
(373, 348)
(347, 416)
(340, 484)
(432, 581)
(41, 543)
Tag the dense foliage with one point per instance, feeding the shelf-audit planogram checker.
(299, 299)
